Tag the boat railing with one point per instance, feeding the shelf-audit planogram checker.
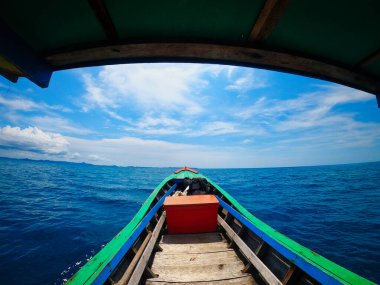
(285, 264)
(126, 248)
(150, 218)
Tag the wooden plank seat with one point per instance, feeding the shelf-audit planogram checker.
(197, 259)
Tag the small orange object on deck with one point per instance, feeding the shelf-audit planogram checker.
(191, 214)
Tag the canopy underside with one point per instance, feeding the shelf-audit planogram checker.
(331, 40)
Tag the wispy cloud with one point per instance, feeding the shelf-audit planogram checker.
(142, 152)
(315, 109)
(307, 110)
(167, 126)
(221, 128)
(310, 120)
(249, 80)
(58, 123)
(22, 104)
(27, 112)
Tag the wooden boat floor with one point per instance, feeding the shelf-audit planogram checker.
(197, 259)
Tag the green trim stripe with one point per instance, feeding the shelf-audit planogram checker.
(334, 270)
(88, 273)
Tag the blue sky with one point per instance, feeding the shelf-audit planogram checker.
(188, 114)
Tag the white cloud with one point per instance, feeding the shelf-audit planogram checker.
(140, 152)
(167, 126)
(22, 104)
(57, 124)
(249, 81)
(149, 122)
(18, 104)
(36, 144)
(315, 109)
(151, 87)
(307, 110)
(312, 122)
(33, 139)
(218, 128)
(247, 141)
(161, 125)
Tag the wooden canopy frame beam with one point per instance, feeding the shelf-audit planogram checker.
(214, 53)
(100, 10)
(268, 19)
(370, 59)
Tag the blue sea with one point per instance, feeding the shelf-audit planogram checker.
(54, 216)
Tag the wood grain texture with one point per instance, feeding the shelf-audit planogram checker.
(267, 275)
(214, 53)
(194, 258)
(268, 19)
(100, 10)
(243, 280)
(129, 271)
(370, 59)
(141, 265)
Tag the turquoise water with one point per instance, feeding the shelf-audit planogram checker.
(54, 216)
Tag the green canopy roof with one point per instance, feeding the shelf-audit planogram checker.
(332, 40)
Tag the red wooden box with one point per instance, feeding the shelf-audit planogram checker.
(191, 214)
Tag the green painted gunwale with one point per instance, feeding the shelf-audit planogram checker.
(88, 273)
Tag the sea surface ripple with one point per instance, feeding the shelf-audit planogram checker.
(55, 216)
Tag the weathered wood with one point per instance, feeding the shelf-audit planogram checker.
(176, 263)
(194, 248)
(370, 59)
(288, 275)
(214, 53)
(261, 249)
(199, 272)
(191, 238)
(104, 18)
(151, 273)
(268, 276)
(188, 259)
(243, 280)
(192, 243)
(129, 271)
(227, 216)
(141, 265)
(268, 19)
(247, 268)
(241, 230)
(157, 247)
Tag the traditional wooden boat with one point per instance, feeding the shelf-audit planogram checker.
(214, 240)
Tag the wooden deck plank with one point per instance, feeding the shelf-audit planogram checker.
(162, 259)
(243, 280)
(199, 272)
(191, 238)
(193, 243)
(194, 248)
(194, 258)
